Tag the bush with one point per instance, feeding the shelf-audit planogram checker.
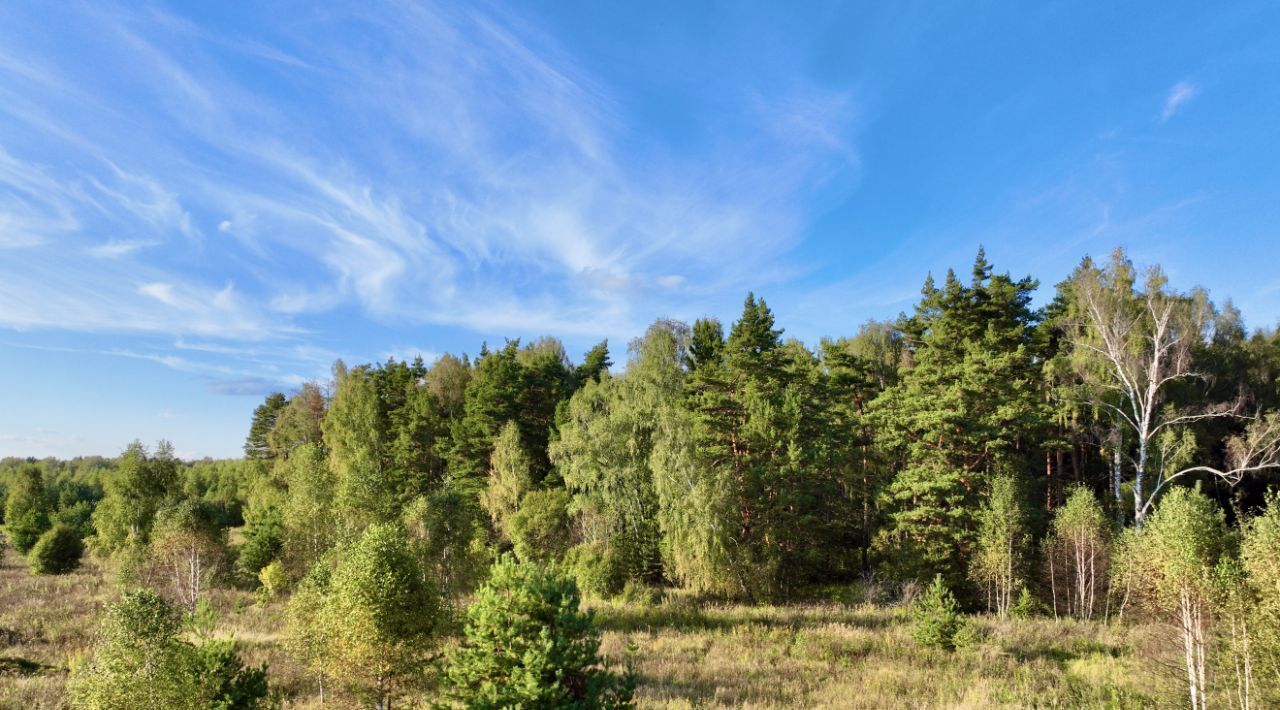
(141, 661)
(539, 529)
(27, 509)
(228, 683)
(1027, 606)
(58, 551)
(936, 617)
(598, 571)
(273, 579)
(528, 645)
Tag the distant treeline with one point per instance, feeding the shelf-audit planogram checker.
(1010, 453)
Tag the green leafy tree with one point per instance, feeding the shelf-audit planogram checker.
(1078, 554)
(371, 621)
(510, 478)
(189, 546)
(528, 645)
(999, 560)
(140, 660)
(355, 433)
(448, 534)
(309, 516)
(134, 491)
(604, 453)
(264, 533)
(58, 551)
(1257, 640)
(300, 422)
(539, 529)
(27, 509)
(1177, 554)
(1140, 349)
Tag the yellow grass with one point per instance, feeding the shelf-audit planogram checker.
(686, 653)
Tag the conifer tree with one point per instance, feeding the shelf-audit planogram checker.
(969, 408)
(27, 509)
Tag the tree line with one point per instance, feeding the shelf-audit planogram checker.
(1107, 454)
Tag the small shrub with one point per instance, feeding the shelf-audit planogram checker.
(229, 683)
(273, 579)
(58, 551)
(640, 594)
(597, 570)
(528, 645)
(936, 617)
(539, 529)
(1027, 606)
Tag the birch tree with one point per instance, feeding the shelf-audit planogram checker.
(1134, 348)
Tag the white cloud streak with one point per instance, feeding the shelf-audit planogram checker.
(467, 173)
(1181, 94)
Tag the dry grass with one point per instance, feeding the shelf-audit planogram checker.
(686, 654)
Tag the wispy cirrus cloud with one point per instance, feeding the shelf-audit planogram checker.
(238, 194)
(1180, 95)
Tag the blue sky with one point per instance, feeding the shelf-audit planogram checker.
(203, 202)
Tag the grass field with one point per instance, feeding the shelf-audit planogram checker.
(686, 654)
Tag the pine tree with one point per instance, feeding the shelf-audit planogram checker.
(528, 645)
(256, 444)
(968, 409)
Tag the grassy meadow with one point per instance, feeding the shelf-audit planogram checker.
(685, 653)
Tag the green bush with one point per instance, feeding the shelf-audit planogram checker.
(27, 509)
(936, 617)
(1027, 606)
(528, 645)
(273, 579)
(539, 529)
(141, 661)
(598, 571)
(229, 684)
(58, 551)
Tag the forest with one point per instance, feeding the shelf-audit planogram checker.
(981, 502)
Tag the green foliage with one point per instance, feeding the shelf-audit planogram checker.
(228, 682)
(999, 560)
(141, 661)
(139, 486)
(958, 417)
(58, 551)
(299, 423)
(354, 433)
(598, 570)
(447, 533)
(309, 516)
(539, 529)
(1260, 558)
(273, 578)
(256, 444)
(936, 619)
(1180, 546)
(368, 617)
(264, 533)
(1027, 606)
(1078, 552)
(528, 645)
(510, 477)
(190, 547)
(27, 509)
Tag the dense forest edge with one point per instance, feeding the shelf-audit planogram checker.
(1067, 505)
